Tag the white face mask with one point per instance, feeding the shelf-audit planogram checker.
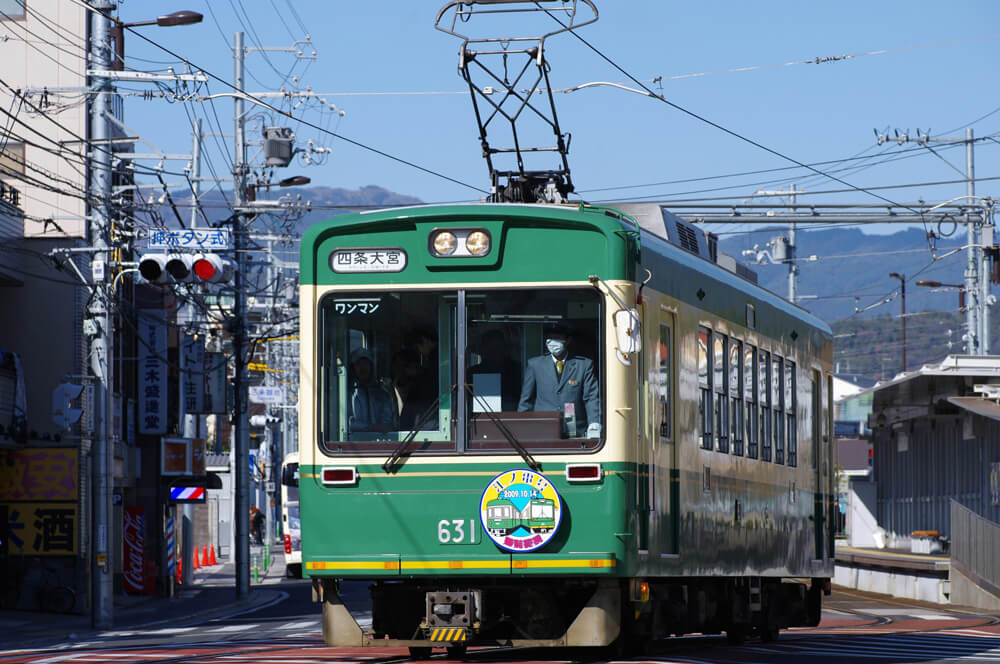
(556, 346)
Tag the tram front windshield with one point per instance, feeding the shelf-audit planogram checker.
(389, 366)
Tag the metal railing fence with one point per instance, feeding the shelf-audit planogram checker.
(975, 543)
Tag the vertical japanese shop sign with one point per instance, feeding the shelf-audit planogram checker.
(192, 397)
(215, 382)
(133, 548)
(152, 372)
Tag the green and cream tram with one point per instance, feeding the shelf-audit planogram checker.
(696, 502)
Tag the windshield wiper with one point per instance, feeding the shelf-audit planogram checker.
(507, 433)
(390, 464)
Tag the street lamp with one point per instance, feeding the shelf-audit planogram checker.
(929, 283)
(293, 181)
(183, 17)
(902, 283)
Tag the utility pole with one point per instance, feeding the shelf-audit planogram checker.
(977, 284)
(196, 172)
(241, 423)
(793, 267)
(972, 287)
(99, 312)
(902, 318)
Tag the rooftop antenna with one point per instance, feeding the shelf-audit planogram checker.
(504, 74)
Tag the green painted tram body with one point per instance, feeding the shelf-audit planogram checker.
(672, 538)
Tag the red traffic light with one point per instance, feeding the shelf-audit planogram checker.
(213, 268)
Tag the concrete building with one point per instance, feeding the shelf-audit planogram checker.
(44, 170)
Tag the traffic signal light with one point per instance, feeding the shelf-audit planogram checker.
(263, 420)
(158, 268)
(64, 416)
(153, 268)
(213, 268)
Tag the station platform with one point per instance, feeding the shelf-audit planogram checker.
(900, 573)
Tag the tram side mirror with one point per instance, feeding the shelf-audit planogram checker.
(290, 475)
(627, 330)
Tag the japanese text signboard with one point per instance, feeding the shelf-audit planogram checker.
(41, 529)
(175, 456)
(215, 382)
(214, 239)
(192, 383)
(368, 260)
(39, 494)
(152, 372)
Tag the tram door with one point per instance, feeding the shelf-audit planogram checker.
(664, 487)
(818, 460)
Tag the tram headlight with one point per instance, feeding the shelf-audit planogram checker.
(444, 243)
(478, 243)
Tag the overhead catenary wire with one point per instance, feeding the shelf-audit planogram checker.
(291, 116)
(711, 123)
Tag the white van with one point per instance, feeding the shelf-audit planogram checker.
(290, 524)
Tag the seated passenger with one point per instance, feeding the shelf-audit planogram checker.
(370, 405)
(563, 382)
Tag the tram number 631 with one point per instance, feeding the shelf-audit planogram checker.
(457, 531)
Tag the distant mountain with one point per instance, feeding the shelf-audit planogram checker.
(325, 202)
(850, 264)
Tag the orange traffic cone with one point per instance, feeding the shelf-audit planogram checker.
(211, 556)
(195, 564)
(204, 556)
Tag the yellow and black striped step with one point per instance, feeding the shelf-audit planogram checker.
(448, 635)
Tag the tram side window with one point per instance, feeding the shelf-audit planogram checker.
(663, 385)
(736, 395)
(777, 407)
(721, 401)
(750, 393)
(705, 385)
(790, 413)
(764, 392)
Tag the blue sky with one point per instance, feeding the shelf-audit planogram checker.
(919, 64)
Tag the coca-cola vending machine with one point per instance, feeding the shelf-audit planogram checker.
(137, 578)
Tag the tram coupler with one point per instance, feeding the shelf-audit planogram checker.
(452, 616)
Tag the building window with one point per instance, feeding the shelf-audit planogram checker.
(750, 394)
(12, 10)
(705, 385)
(721, 383)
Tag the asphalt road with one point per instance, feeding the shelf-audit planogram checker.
(856, 628)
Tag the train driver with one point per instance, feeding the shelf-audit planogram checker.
(565, 382)
(371, 407)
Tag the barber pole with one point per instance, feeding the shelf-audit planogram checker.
(170, 544)
(187, 493)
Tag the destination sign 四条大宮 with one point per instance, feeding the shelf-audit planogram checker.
(368, 260)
